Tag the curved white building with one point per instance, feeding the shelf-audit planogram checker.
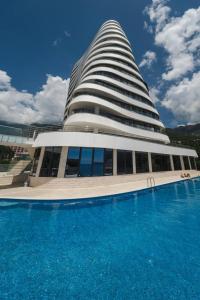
(111, 125)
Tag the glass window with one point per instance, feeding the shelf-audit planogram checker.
(35, 160)
(108, 162)
(192, 162)
(98, 162)
(73, 158)
(142, 164)
(160, 162)
(177, 162)
(124, 162)
(50, 162)
(186, 162)
(86, 162)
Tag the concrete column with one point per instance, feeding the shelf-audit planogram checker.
(189, 163)
(40, 161)
(182, 163)
(62, 163)
(134, 162)
(150, 162)
(171, 163)
(114, 162)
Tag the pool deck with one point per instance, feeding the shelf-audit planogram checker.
(76, 188)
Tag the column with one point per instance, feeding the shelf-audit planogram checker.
(40, 161)
(134, 162)
(114, 162)
(182, 163)
(150, 162)
(62, 163)
(171, 162)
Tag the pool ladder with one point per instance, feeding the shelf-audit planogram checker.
(150, 181)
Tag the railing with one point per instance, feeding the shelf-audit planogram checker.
(150, 182)
(11, 139)
(27, 133)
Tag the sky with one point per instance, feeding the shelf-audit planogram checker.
(41, 40)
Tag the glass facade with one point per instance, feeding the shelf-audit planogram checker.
(98, 162)
(85, 162)
(124, 162)
(186, 162)
(50, 162)
(89, 162)
(35, 161)
(177, 162)
(192, 162)
(142, 164)
(160, 162)
(108, 162)
(73, 159)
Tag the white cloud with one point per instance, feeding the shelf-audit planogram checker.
(67, 33)
(179, 36)
(4, 80)
(148, 58)
(183, 99)
(45, 106)
(154, 93)
(158, 13)
(57, 42)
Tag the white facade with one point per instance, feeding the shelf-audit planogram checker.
(109, 107)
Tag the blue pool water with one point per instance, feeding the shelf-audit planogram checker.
(143, 245)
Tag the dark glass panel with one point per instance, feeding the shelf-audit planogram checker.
(177, 162)
(108, 162)
(73, 157)
(142, 165)
(98, 162)
(55, 161)
(35, 160)
(50, 162)
(124, 162)
(192, 162)
(86, 162)
(186, 162)
(160, 162)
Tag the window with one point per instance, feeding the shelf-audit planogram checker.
(89, 162)
(98, 162)
(86, 162)
(72, 166)
(50, 162)
(177, 162)
(160, 162)
(192, 162)
(186, 162)
(35, 161)
(142, 164)
(124, 162)
(108, 162)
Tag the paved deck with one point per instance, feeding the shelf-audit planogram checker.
(72, 188)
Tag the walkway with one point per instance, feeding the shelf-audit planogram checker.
(74, 188)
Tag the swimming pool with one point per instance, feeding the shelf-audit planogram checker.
(141, 245)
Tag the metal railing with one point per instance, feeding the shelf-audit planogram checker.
(151, 182)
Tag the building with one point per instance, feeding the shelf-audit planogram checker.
(111, 125)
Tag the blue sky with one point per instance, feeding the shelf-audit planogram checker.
(47, 37)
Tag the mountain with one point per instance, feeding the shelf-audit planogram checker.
(185, 130)
(188, 135)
